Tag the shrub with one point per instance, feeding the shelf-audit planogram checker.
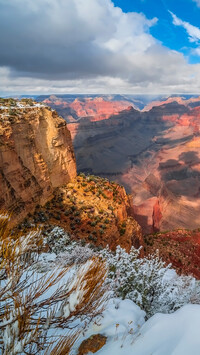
(149, 282)
(122, 231)
(33, 304)
(93, 223)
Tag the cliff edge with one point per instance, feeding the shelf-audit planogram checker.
(36, 156)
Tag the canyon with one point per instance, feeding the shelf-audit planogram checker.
(39, 185)
(97, 107)
(153, 151)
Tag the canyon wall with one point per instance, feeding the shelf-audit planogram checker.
(36, 156)
(154, 153)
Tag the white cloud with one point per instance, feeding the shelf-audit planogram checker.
(196, 51)
(86, 46)
(70, 39)
(192, 31)
(197, 2)
(178, 78)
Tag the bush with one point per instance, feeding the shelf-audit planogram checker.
(33, 305)
(122, 231)
(148, 282)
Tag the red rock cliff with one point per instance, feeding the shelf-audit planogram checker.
(36, 156)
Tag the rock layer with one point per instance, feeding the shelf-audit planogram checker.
(36, 156)
(95, 107)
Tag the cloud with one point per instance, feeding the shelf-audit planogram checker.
(197, 2)
(70, 39)
(86, 46)
(192, 31)
(196, 51)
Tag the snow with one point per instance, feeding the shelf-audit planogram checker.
(119, 317)
(122, 321)
(162, 334)
(73, 301)
(20, 105)
(4, 216)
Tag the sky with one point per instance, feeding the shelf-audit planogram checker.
(99, 46)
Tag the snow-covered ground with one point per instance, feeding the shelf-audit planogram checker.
(147, 282)
(163, 334)
(21, 105)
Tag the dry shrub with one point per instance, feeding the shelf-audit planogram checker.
(31, 304)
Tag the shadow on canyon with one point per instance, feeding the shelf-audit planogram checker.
(180, 176)
(111, 147)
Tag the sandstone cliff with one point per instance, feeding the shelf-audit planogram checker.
(36, 156)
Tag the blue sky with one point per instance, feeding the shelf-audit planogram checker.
(173, 37)
(100, 46)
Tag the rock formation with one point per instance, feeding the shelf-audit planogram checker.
(38, 175)
(36, 156)
(154, 154)
(93, 210)
(96, 108)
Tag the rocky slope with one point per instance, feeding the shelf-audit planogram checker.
(36, 156)
(94, 211)
(181, 248)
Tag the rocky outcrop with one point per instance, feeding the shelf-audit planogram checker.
(92, 344)
(93, 210)
(38, 179)
(36, 156)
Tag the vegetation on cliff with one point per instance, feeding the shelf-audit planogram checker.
(92, 210)
(181, 248)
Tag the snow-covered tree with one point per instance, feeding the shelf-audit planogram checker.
(148, 282)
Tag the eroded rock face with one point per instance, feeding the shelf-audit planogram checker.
(36, 156)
